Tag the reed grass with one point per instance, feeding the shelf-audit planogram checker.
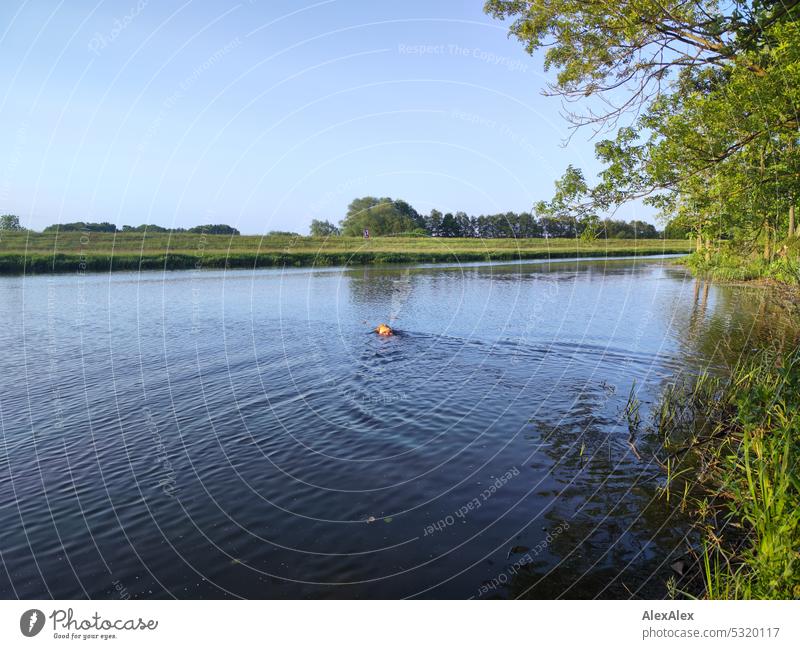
(739, 440)
(731, 265)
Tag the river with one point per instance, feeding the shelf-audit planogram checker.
(203, 434)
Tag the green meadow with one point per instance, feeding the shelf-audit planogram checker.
(66, 252)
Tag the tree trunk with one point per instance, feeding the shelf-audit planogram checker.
(767, 251)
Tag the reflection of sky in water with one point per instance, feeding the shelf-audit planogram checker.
(215, 434)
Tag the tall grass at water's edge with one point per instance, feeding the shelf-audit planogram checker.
(735, 443)
(732, 266)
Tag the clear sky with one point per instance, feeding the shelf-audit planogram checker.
(265, 114)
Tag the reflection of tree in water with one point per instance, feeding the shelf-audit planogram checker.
(385, 292)
(617, 539)
(726, 321)
(392, 287)
(623, 537)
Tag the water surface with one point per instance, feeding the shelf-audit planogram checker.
(243, 434)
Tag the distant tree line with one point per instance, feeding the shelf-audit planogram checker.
(387, 216)
(83, 226)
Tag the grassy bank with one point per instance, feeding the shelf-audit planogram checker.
(734, 458)
(728, 264)
(99, 252)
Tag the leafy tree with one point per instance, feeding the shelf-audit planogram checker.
(282, 233)
(81, 226)
(570, 204)
(528, 226)
(433, 223)
(703, 97)
(145, 228)
(556, 228)
(382, 216)
(450, 227)
(614, 229)
(464, 225)
(674, 229)
(323, 229)
(10, 222)
(214, 229)
(599, 48)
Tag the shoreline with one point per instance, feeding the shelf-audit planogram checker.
(743, 428)
(731, 455)
(61, 263)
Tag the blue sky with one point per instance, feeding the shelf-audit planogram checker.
(265, 114)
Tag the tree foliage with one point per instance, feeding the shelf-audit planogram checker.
(524, 225)
(323, 229)
(381, 216)
(81, 226)
(145, 228)
(703, 99)
(220, 228)
(283, 233)
(10, 223)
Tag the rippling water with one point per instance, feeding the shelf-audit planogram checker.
(243, 434)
